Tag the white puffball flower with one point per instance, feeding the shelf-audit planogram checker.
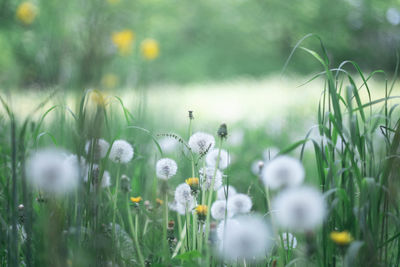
(230, 223)
(201, 142)
(207, 175)
(393, 16)
(183, 194)
(218, 210)
(121, 151)
(81, 163)
(299, 208)
(249, 239)
(166, 168)
(239, 203)
(283, 171)
(100, 148)
(212, 158)
(288, 240)
(52, 171)
(257, 167)
(226, 192)
(168, 144)
(106, 180)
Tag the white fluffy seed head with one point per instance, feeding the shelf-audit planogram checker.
(180, 208)
(206, 177)
(283, 171)
(218, 210)
(166, 168)
(249, 237)
(239, 203)
(52, 171)
(99, 148)
(183, 194)
(230, 224)
(201, 142)
(226, 192)
(288, 240)
(121, 151)
(299, 208)
(212, 158)
(105, 180)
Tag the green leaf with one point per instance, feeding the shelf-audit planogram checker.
(188, 256)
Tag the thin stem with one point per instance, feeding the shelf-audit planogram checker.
(115, 204)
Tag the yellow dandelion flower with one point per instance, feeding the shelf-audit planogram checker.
(192, 181)
(26, 12)
(99, 98)
(109, 80)
(201, 209)
(159, 201)
(136, 199)
(341, 238)
(123, 40)
(150, 49)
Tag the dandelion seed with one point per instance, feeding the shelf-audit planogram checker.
(212, 158)
(249, 238)
(341, 238)
(201, 142)
(121, 151)
(27, 12)
(99, 148)
(257, 167)
(150, 49)
(239, 203)
(226, 192)
(166, 168)
(183, 194)
(218, 209)
(123, 40)
(206, 177)
(288, 239)
(283, 171)
(299, 208)
(52, 171)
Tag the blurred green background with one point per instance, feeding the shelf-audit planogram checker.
(99, 43)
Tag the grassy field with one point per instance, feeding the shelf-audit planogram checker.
(130, 178)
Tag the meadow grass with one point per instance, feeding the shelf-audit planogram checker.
(350, 155)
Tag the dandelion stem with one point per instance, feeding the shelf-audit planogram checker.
(115, 198)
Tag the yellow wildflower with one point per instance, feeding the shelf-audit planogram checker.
(192, 181)
(159, 201)
(99, 98)
(341, 238)
(201, 209)
(123, 40)
(26, 12)
(136, 199)
(109, 80)
(150, 49)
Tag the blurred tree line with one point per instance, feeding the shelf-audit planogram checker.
(116, 43)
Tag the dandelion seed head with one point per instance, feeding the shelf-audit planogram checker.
(283, 171)
(183, 194)
(168, 144)
(166, 168)
(201, 142)
(230, 224)
(212, 158)
(180, 208)
(206, 177)
(249, 238)
(299, 208)
(226, 192)
(99, 146)
(51, 170)
(218, 210)
(239, 203)
(121, 151)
